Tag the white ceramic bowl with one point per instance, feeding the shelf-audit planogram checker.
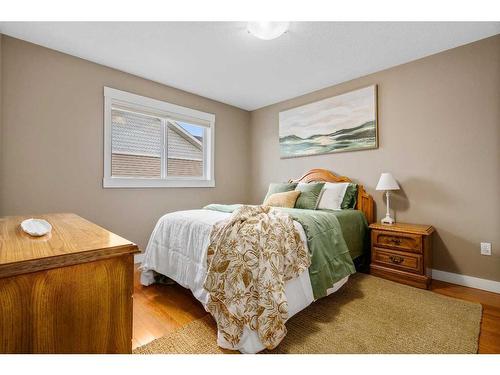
(36, 227)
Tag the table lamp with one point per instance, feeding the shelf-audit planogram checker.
(387, 183)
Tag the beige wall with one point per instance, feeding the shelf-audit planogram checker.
(52, 149)
(439, 127)
(439, 134)
(1, 109)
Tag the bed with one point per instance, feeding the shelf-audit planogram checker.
(179, 242)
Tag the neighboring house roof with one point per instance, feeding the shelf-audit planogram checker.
(137, 134)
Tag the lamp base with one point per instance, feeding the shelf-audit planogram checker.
(388, 220)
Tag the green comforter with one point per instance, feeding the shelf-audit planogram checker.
(334, 239)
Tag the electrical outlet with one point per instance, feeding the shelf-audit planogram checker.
(485, 248)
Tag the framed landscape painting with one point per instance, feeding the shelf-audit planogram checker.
(345, 122)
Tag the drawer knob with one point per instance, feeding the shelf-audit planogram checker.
(396, 241)
(396, 259)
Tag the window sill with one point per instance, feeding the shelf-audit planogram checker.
(114, 182)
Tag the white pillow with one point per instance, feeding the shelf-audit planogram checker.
(332, 195)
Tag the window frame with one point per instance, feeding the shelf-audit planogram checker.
(165, 111)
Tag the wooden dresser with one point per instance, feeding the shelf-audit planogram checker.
(69, 291)
(402, 252)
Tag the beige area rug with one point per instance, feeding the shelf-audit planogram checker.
(368, 315)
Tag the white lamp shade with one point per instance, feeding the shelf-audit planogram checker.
(387, 182)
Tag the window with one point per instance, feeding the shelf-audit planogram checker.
(150, 143)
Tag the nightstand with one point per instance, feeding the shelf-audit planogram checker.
(402, 252)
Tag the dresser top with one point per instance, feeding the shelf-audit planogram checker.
(72, 240)
(404, 227)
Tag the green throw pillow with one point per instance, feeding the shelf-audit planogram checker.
(280, 188)
(309, 196)
(350, 197)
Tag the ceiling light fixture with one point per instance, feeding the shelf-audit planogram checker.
(267, 30)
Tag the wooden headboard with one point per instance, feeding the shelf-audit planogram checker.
(364, 202)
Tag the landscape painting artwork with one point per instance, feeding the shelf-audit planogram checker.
(345, 122)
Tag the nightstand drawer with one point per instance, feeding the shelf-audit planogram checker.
(398, 240)
(398, 260)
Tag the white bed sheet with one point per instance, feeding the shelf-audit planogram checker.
(178, 247)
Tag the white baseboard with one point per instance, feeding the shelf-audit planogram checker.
(138, 258)
(464, 280)
(454, 278)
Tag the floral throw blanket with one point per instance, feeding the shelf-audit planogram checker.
(250, 257)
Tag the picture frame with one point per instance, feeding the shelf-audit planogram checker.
(341, 123)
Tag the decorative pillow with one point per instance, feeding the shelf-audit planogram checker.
(309, 196)
(286, 199)
(280, 188)
(350, 197)
(332, 195)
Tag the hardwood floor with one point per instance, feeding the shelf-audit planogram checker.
(159, 309)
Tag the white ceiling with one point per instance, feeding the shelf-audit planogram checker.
(221, 61)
